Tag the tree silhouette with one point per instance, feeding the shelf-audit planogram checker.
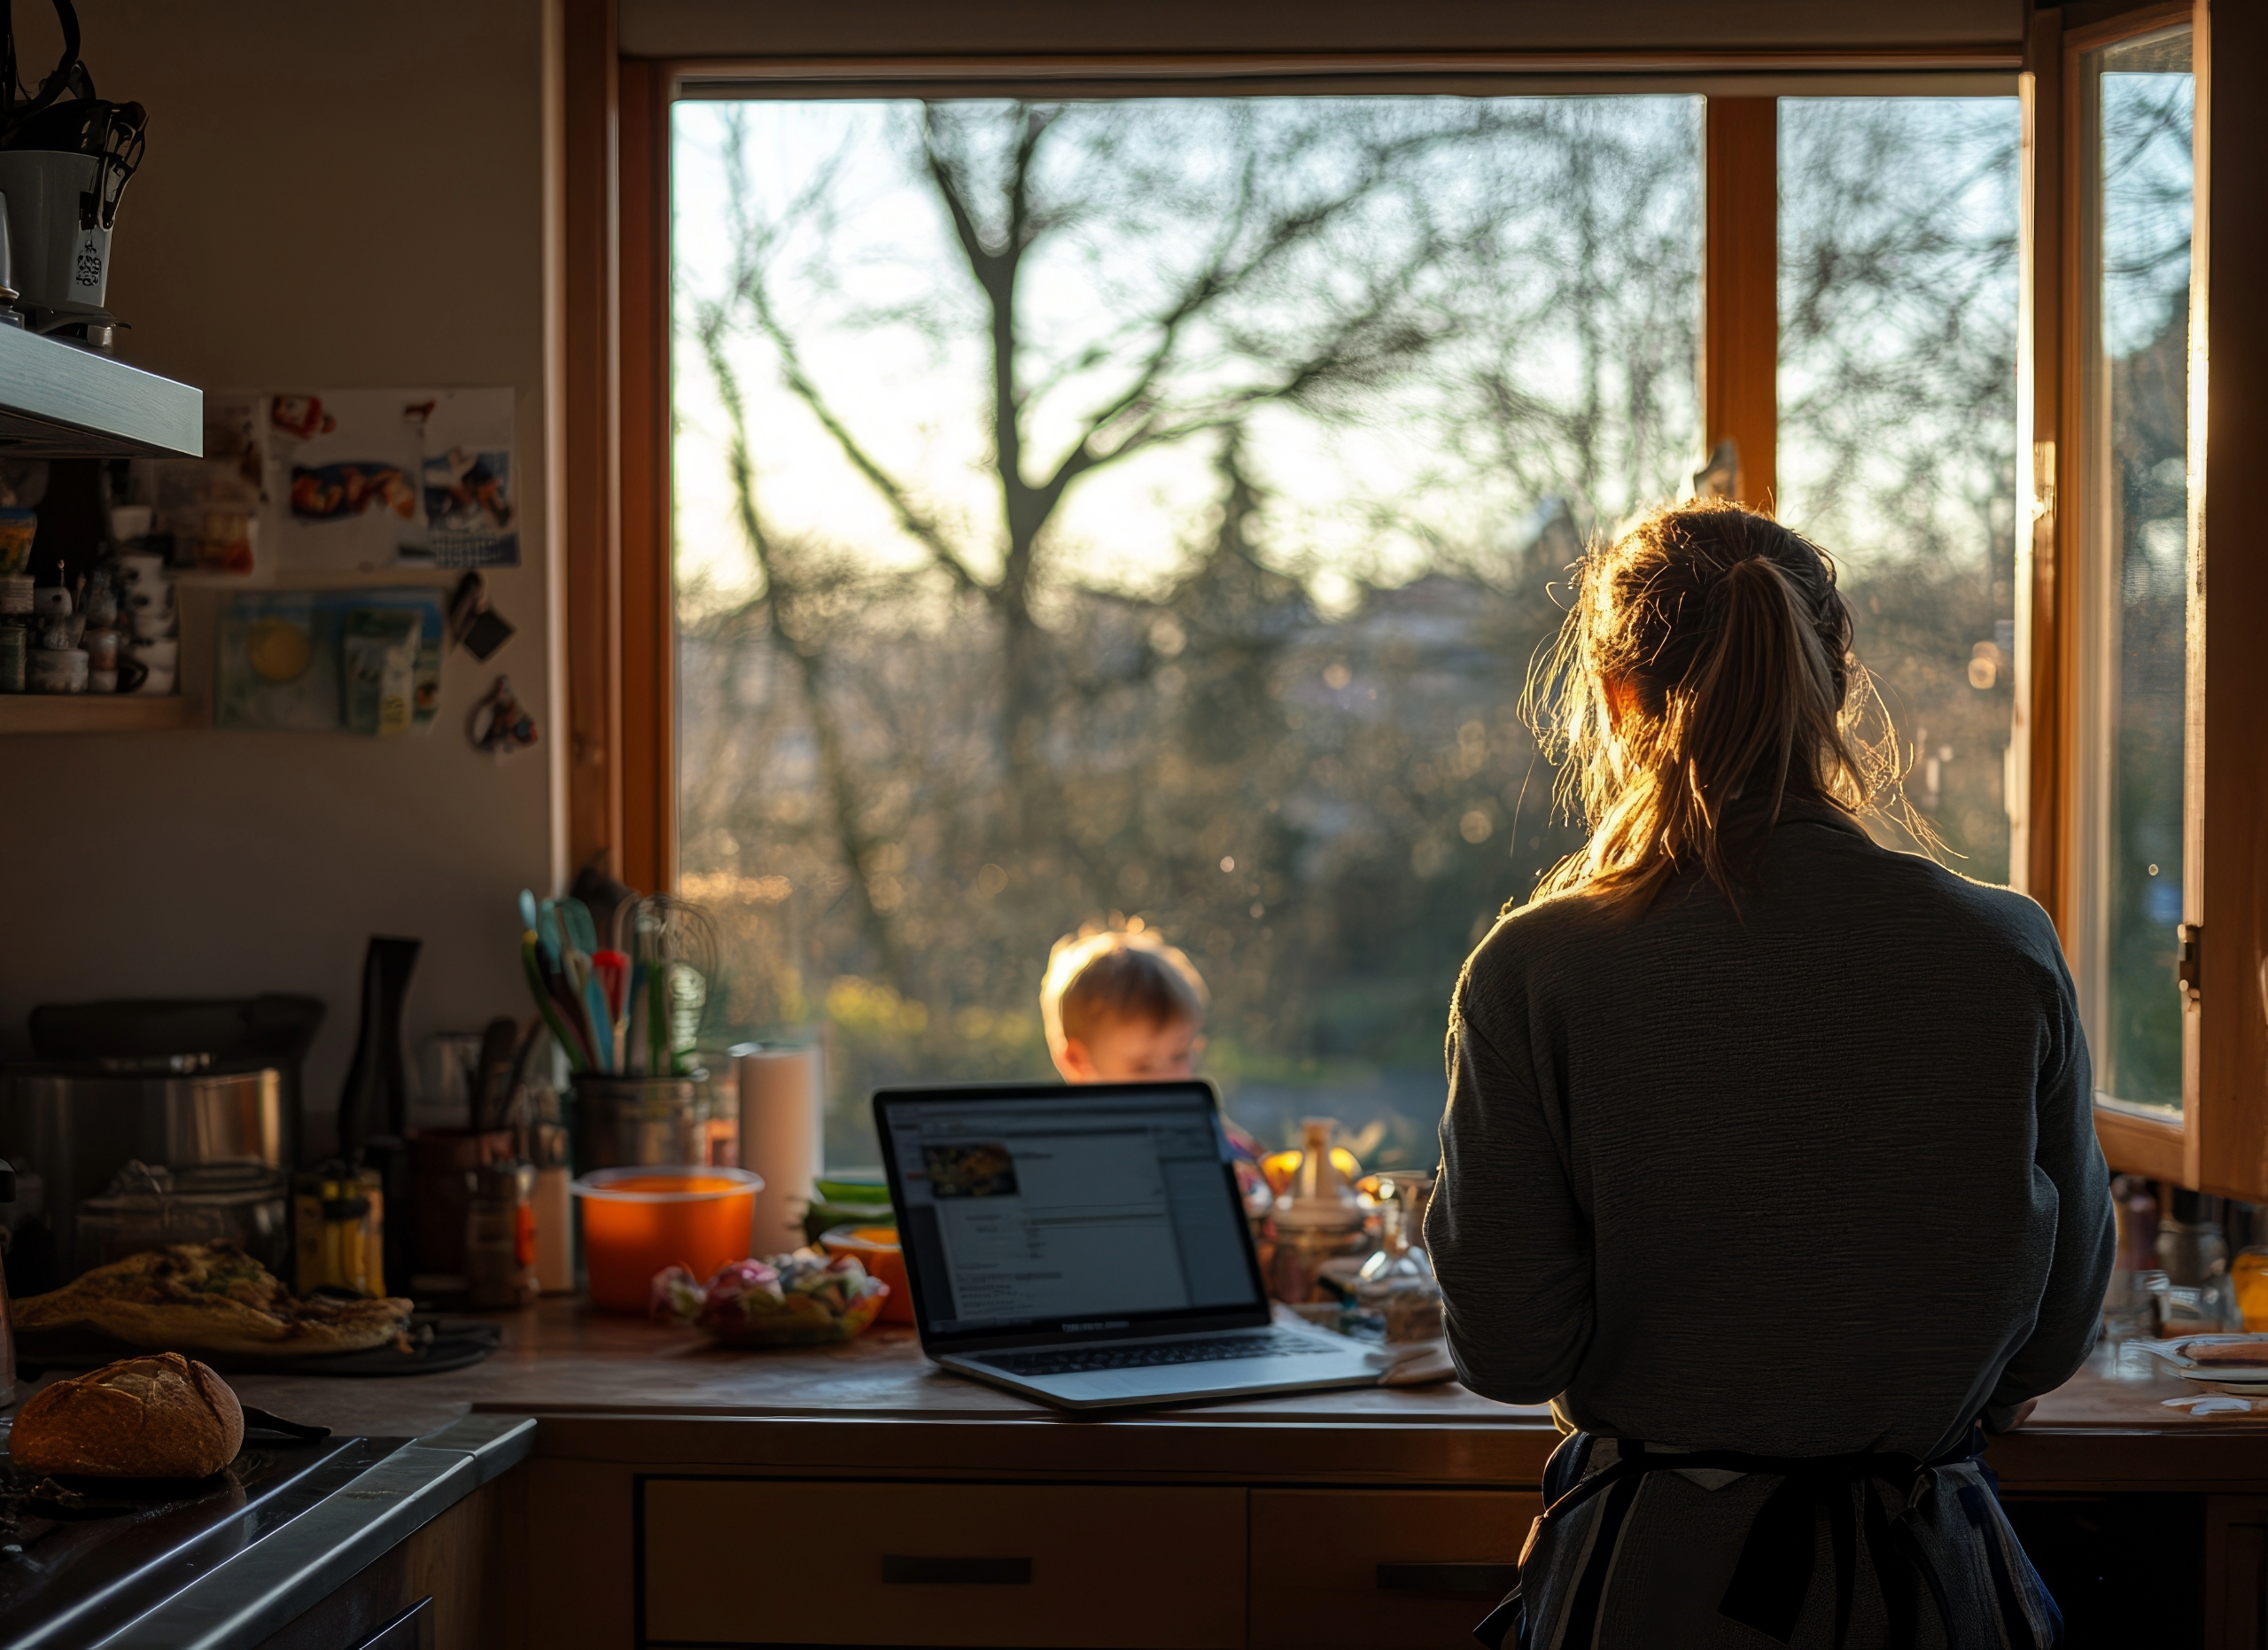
(907, 769)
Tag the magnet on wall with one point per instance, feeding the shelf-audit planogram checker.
(499, 724)
(475, 624)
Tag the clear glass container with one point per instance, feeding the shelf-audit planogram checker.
(149, 1206)
(1396, 1284)
(339, 1219)
(2248, 1276)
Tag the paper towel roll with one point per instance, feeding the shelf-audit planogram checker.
(782, 1097)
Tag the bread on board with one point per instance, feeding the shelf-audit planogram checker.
(162, 1416)
(209, 1298)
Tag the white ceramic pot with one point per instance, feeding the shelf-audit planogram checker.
(139, 567)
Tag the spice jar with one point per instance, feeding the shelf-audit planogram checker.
(339, 1221)
(500, 1236)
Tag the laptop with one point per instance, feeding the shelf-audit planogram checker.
(1088, 1247)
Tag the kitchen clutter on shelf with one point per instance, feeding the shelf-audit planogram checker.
(113, 630)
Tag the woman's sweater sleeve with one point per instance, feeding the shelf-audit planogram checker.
(1508, 1240)
(2087, 1233)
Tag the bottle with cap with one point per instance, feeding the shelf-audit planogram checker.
(1318, 1219)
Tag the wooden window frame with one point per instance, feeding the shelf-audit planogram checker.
(2220, 1143)
(620, 803)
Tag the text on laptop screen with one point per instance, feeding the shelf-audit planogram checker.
(1053, 1210)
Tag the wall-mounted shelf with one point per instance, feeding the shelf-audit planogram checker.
(90, 713)
(58, 401)
(269, 580)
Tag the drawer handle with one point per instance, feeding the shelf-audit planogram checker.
(1493, 1580)
(901, 1569)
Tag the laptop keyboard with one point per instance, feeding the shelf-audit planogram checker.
(1071, 1362)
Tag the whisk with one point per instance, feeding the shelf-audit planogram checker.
(671, 945)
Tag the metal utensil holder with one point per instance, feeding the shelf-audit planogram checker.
(635, 1122)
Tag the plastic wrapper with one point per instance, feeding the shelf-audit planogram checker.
(803, 1299)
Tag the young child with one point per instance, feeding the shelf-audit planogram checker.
(1127, 1008)
(1122, 1007)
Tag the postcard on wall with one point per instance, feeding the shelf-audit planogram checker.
(354, 661)
(205, 512)
(373, 478)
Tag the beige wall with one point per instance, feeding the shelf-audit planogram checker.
(348, 194)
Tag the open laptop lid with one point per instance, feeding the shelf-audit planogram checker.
(1036, 1214)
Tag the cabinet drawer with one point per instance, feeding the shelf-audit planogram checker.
(1386, 1569)
(941, 1564)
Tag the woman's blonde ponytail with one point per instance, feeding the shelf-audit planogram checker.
(1704, 670)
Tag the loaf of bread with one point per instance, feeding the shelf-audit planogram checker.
(162, 1416)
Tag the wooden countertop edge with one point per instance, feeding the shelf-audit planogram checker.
(1289, 1452)
(1337, 1450)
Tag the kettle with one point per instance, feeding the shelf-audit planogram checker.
(64, 163)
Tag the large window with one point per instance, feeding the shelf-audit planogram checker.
(2136, 561)
(1145, 511)
(1000, 517)
(1896, 452)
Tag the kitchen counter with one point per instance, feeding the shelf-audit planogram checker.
(1363, 1517)
(561, 1360)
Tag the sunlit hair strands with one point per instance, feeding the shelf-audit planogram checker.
(1706, 659)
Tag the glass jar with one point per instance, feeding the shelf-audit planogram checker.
(1396, 1284)
(500, 1235)
(2248, 1274)
(1319, 1219)
(339, 1219)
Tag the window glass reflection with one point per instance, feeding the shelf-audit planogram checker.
(1145, 510)
(2137, 400)
(1897, 453)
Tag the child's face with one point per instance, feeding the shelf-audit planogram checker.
(1132, 1051)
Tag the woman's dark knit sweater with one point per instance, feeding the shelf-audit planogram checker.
(1814, 1175)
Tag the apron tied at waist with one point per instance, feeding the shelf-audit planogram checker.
(1773, 1576)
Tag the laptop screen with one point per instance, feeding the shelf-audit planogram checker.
(1060, 1212)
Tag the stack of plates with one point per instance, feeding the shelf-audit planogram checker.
(2227, 1362)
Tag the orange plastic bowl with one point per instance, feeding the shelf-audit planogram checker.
(636, 1222)
(877, 1249)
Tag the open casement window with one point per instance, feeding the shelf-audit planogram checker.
(2144, 765)
(1937, 307)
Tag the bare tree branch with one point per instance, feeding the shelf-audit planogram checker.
(778, 595)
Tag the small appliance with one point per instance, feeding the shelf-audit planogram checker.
(165, 1082)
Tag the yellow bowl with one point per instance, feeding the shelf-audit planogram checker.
(877, 1250)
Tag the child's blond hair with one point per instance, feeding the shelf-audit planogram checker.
(1097, 976)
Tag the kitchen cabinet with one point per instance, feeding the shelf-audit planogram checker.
(795, 1496)
(1141, 1566)
(1382, 1569)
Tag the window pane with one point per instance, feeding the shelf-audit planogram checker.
(1144, 509)
(2134, 569)
(1898, 336)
